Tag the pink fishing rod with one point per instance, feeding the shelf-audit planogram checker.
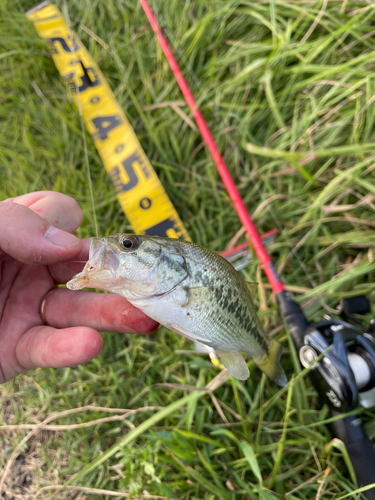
(358, 444)
(243, 214)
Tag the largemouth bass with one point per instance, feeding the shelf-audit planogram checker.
(189, 289)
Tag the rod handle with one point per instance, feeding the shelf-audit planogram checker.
(294, 317)
(360, 449)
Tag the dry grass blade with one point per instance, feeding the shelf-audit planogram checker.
(97, 491)
(300, 486)
(322, 484)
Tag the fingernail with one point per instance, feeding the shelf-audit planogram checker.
(60, 238)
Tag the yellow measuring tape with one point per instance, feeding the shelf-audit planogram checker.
(139, 190)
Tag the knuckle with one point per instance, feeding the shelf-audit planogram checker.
(8, 207)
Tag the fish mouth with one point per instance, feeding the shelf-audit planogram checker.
(102, 256)
(100, 270)
(99, 274)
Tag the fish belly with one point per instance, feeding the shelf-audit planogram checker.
(202, 319)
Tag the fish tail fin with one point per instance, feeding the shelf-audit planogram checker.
(270, 364)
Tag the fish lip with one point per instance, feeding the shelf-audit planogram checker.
(96, 277)
(97, 252)
(102, 256)
(102, 264)
(100, 274)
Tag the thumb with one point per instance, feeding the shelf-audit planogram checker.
(32, 240)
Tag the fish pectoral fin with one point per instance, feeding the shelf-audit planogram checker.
(234, 363)
(200, 292)
(198, 296)
(253, 287)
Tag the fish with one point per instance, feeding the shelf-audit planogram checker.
(190, 290)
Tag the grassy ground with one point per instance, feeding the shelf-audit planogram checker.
(288, 90)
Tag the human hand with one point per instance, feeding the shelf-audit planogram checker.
(37, 252)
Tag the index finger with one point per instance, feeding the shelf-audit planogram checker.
(105, 312)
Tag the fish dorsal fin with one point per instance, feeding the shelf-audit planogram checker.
(234, 363)
(252, 286)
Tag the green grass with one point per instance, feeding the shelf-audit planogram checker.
(294, 118)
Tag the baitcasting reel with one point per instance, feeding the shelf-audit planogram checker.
(345, 376)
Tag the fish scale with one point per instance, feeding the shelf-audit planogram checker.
(230, 303)
(189, 289)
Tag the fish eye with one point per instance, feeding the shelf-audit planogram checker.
(129, 242)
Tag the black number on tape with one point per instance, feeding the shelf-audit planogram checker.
(162, 227)
(129, 169)
(51, 42)
(105, 124)
(86, 80)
